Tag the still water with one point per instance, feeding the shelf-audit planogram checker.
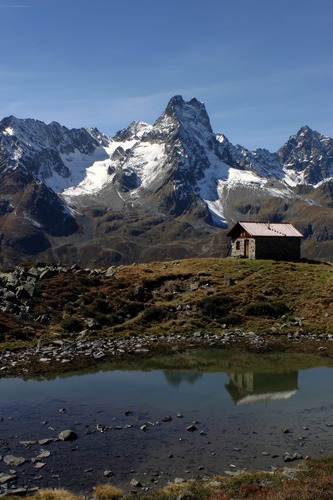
(247, 414)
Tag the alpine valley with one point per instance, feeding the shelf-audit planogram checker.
(154, 192)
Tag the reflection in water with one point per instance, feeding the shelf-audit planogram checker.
(254, 387)
(175, 377)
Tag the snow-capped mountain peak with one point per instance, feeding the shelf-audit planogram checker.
(177, 167)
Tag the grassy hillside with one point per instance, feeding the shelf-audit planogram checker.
(179, 297)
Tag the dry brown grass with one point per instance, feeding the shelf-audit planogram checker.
(177, 288)
(108, 492)
(56, 494)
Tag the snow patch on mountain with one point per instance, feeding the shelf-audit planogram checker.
(78, 165)
(90, 172)
(9, 131)
(143, 158)
(147, 161)
(244, 177)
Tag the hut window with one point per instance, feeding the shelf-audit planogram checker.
(237, 245)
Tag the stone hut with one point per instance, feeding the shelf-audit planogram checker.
(265, 240)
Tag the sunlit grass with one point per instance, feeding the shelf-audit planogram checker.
(108, 492)
(56, 494)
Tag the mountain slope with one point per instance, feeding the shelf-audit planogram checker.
(167, 190)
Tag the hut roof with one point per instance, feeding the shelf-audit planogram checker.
(266, 229)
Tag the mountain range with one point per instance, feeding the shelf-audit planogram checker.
(154, 192)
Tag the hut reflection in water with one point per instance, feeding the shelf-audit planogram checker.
(254, 387)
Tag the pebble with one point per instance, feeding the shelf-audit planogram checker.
(43, 454)
(136, 483)
(290, 458)
(39, 465)
(191, 428)
(108, 473)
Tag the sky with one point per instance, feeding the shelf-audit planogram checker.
(263, 68)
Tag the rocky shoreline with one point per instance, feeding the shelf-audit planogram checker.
(66, 355)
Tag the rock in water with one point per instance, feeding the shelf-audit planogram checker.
(67, 435)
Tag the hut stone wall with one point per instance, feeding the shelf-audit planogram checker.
(261, 247)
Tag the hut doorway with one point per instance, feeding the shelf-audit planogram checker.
(246, 248)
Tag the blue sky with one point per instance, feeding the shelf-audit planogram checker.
(263, 68)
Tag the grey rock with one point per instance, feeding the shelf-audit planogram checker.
(102, 428)
(17, 492)
(48, 273)
(42, 442)
(43, 454)
(108, 473)
(290, 458)
(136, 483)
(25, 291)
(191, 428)
(34, 272)
(13, 461)
(27, 444)
(67, 435)
(39, 465)
(99, 355)
(7, 478)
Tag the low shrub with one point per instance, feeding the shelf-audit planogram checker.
(101, 305)
(269, 309)
(19, 334)
(215, 306)
(128, 309)
(154, 313)
(72, 324)
(232, 319)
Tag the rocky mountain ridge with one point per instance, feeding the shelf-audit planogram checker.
(151, 192)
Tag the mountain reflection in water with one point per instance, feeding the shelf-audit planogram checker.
(252, 387)
(176, 377)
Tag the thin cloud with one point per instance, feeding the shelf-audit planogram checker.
(14, 6)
